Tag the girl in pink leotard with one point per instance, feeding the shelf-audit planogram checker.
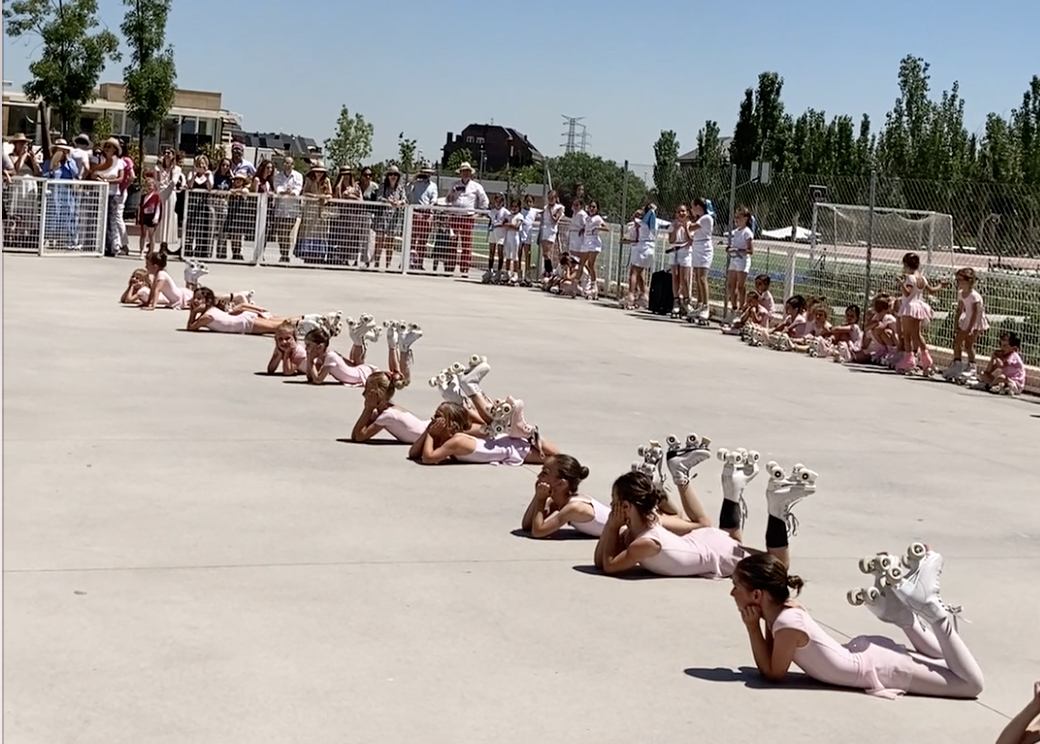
(941, 666)
(289, 353)
(323, 362)
(162, 284)
(557, 503)
(639, 533)
(914, 312)
(244, 318)
(379, 411)
(446, 440)
(971, 323)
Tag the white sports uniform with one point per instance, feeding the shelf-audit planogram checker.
(528, 216)
(576, 231)
(739, 258)
(682, 255)
(550, 228)
(642, 253)
(511, 247)
(702, 251)
(499, 217)
(592, 242)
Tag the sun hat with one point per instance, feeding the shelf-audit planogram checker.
(393, 169)
(115, 143)
(20, 137)
(464, 167)
(60, 144)
(427, 169)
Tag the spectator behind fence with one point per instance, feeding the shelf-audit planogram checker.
(81, 153)
(198, 240)
(369, 193)
(345, 228)
(61, 221)
(239, 164)
(422, 193)
(263, 181)
(311, 242)
(110, 170)
(170, 179)
(288, 185)
(470, 195)
(129, 176)
(389, 220)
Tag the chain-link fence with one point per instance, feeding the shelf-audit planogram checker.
(54, 216)
(843, 238)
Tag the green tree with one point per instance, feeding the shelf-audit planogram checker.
(902, 144)
(406, 150)
(1026, 124)
(151, 76)
(352, 141)
(666, 169)
(744, 147)
(770, 121)
(710, 153)
(457, 158)
(604, 180)
(73, 55)
(102, 127)
(865, 144)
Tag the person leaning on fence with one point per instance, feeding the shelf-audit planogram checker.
(369, 192)
(288, 185)
(390, 219)
(311, 243)
(345, 226)
(422, 193)
(110, 170)
(61, 224)
(24, 199)
(470, 195)
(239, 164)
(81, 152)
(170, 179)
(198, 221)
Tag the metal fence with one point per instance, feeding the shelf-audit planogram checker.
(51, 216)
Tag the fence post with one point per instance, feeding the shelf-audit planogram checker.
(870, 239)
(406, 239)
(621, 218)
(261, 227)
(42, 184)
(729, 241)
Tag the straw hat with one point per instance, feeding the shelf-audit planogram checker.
(115, 143)
(60, 144)
(241, 174)
(317, 168)
(393, 169)
(19, 138)
(427, 170)
(465, 167)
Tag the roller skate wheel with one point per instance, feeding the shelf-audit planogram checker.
(753, 456)
(867, 565)
(388, 323)
(886, 562)
(806, 476)
(641, 451)
(654, 443)
(673, 442)
(723, 454)
(365, 319)
(872, 594)
(505, 409)
(894, 575)
(457, 368)
(692, 440)
(738, 457)
(433, 382)
(775, 471)
(797, 467)
(854, 597)
(916, 551)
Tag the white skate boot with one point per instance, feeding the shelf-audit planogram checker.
(363, 331)
(471, 377)
(193, 271)
(242, 298)
(783, 492)
(406, 338)
(652, 462)
(682, 457)
(518, 427)
(703, 315)
(919, 589)
(881, 598)
(448, 385)
(307, 324)
(951, 373)
(740, 466)
(501, 419)
(390, 327)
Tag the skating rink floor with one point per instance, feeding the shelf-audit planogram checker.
(194, 552)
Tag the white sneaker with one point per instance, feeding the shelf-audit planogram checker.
(682, 457)
(783, 492)
(919, 589)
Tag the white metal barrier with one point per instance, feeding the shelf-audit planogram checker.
(55, 216)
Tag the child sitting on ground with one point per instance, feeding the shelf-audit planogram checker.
(841, 342)
(1006, 372)
(752, 315)
(793, 326)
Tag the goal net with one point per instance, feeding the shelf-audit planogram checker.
(845, 231)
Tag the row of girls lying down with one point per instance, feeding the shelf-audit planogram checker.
(641, 525)
(894, 332)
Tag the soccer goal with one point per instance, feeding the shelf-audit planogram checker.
(845, 231)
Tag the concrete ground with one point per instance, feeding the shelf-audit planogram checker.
(193, 553)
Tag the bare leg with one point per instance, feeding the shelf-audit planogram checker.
(923, 639)
(692, 505)
(357, 355)
(482, 406)
(960, 678)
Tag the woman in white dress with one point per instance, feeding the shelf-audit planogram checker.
(169, 178)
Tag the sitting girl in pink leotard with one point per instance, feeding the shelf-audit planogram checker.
(446, 440)
(793, 326)
(880, 333)
(243, 318)
(557, 503)
(841, 342)
(941, 665)
(638, 533)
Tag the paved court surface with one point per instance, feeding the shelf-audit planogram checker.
(192, 553)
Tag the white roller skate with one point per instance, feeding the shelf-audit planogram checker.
(703, 315)
(307, 324)
(518, 427)
(390, 328)
(967, 375)
(363, 331)
(471, 377)
(682, 457)
(919, 588)
(501, 419)
(487, 277)
(405, 338)
(652, 462)
(784, 491)
(881, 599)
(951, 373)
(242, 298)
(448, 385)
(193, 271)
(739, 467)
(782, 342)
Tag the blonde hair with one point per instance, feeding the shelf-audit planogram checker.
(385, 383)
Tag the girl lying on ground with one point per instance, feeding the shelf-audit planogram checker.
(638, 533)
(241, 318)
(907, 596)
(446, 439)
(557, 503)
(153, 287)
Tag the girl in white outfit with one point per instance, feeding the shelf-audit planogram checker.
(702, 251)
(680, 258)
(592, 245)
(739, 254)
(557, 503)
(549, 232)
(446, 440)
(576, 228)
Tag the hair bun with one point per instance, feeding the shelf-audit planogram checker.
(584, 472)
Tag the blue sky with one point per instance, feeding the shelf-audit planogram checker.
(631, 70)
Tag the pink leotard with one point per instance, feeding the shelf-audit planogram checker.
(177, 298)
(766, 300)
(299, 355)
(704, 552)
(402, 425)
(601, 513)
(799, 327)
(878, 665)
(348, 374)
(223, 322)
(913, 304)
(970, 301)
(501, 451)
(1015, 370)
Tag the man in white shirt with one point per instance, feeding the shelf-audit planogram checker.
(288, 184)
(239, 164)
(423, 193)
(470, 195)
(81, 153)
